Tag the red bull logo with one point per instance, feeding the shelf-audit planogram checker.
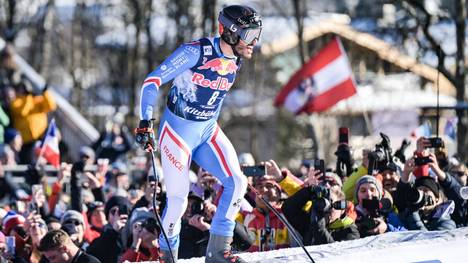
(221, 66)
(218, 84)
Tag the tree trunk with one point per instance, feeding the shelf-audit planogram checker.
(460, 77)
(299, 16)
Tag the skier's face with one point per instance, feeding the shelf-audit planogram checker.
(245, 50)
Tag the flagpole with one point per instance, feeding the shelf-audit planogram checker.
(41, 152)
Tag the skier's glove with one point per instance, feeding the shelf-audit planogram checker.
(144, 135)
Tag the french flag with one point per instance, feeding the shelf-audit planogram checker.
(49, 148)
(322, 82)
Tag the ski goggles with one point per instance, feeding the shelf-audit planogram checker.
(248, 35)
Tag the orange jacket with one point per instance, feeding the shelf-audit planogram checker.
(29, 115)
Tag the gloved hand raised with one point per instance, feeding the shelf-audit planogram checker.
(144, 135)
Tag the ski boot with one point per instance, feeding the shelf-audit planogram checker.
(219, 250)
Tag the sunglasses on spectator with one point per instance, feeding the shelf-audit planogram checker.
(328, 181)
(122, 210)
(151, 225)
(39, 224)
(339, 205)
(459, 173)
(72, 222)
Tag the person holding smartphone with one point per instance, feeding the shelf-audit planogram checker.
(109, 246)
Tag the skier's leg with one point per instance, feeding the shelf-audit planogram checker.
(175, 159)
(217, 156)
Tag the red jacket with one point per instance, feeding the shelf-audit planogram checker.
(268, 235)
(133, 256)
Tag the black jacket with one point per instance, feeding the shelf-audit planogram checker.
(317, 231)
(108, 247)
(82, 257)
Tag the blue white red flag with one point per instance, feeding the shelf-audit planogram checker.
(49, 148)
(450, 129)
(424, 130)
(322, 82)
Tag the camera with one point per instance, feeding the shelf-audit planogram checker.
(317, 192)
(400, 153)
(381, 156)
(256, 170)
(375, 208)
(418, 161)
(344, 162)
(343, 135)
(436, 142)
(417, 199)
(197, 207)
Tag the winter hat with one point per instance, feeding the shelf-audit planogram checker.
(72, 215)
(368, 179)
(86, 151)
(428, 182)
(246, 159)
(267, 179)
(10, 134)
(333, 177)
(139, 214)
(119, 201)
(11, 220)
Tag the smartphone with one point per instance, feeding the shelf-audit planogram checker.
(436, 142)
(418, 161)
(10, 245)
(256, 170)
(343, 135)
(36, 188)
(319, 165)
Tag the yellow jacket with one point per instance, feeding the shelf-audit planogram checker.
(29, 115)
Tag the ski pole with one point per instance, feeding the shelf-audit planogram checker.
(285, 222)
(158, 218)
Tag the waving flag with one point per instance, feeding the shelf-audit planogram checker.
(424, 130)
(49, 148)
(322, 82)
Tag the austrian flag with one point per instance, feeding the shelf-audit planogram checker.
(49, 148)
(322, 82)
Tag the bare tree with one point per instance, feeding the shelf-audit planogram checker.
(209, 17)
(457, 77)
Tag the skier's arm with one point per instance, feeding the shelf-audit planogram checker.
(183, 58)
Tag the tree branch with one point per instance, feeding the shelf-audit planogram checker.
(425, 24)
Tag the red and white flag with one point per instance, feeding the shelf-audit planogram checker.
(322, 82)
(50, 146)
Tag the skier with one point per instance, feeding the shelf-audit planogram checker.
(203, 72)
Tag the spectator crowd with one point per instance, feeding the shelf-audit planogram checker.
(96, 209)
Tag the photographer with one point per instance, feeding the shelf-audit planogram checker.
(374, 213)
(426, 209)
(327, 221)
(194, 231)
(270, 232)
(196, 223)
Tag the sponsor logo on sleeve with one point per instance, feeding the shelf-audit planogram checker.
(207, 50)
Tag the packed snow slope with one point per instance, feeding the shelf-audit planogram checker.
(410, 246)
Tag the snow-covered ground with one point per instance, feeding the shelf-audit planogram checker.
(411, 246)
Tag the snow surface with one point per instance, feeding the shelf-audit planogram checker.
(410, 246)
